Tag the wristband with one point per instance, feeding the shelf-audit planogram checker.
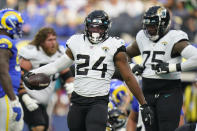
(178, 67)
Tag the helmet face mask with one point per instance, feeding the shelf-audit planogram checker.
(11, 22)
(97, 24)
(156, 22)
(116, 118)
(17, 32)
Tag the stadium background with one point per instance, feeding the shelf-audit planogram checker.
(67, 16)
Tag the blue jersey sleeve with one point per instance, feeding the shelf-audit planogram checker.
(135, 105)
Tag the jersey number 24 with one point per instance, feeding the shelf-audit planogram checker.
(84, 71)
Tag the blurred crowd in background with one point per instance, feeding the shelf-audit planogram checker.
(67, 18)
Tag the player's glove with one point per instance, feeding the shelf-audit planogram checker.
(163, 67)
(17, 110)
(147, 114)
(69, 87)
(137, 69)
(25, 79)
(30, 103)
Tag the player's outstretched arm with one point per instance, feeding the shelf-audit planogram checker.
(60, 64)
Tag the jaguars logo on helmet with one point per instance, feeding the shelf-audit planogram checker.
(11, 21)
(158, 19)
(97, 24)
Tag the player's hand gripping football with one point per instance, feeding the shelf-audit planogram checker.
(17, 110)
(147, 114)
(25, 79)
(37, 81)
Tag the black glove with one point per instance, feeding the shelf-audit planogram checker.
(138, 69)
(147, 114)
(25, 79)
(164, 67)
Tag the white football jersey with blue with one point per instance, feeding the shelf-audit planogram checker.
(153, 53)
(94, 65)
(39, 58)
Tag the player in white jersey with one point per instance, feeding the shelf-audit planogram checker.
(95, 55)
(42, 50)
(162, 50)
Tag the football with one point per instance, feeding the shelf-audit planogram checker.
(37, 81)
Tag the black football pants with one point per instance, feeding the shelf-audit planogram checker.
(187, 127)
(167, 109)
(88, 115)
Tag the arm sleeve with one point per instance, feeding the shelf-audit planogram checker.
(61, 63)
(190, 53)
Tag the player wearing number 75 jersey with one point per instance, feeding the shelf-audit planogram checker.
(162, 50)
(95, 55)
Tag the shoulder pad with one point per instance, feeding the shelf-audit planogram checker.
(62, 48)
(73, 38)
(178, 35)
(5, 43)
(28, 52)
(118, 41)
(139, 35)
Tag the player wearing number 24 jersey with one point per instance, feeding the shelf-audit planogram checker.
(95, 56)
(162, 50)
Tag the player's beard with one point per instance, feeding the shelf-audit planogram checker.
(50, 51)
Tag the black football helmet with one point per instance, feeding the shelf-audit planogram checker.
(97, 24)
(156, 22)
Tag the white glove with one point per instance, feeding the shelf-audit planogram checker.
(69, 87)
(17, 110)
(30, 103)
